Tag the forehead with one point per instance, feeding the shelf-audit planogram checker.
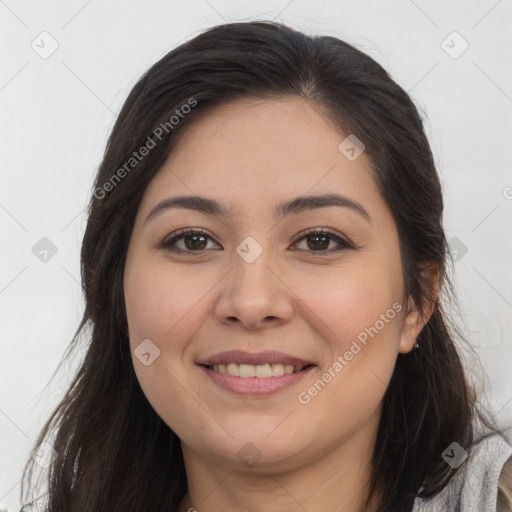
(259, 152)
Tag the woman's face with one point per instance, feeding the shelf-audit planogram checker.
(252, 281)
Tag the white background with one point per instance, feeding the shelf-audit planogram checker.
(56, 114)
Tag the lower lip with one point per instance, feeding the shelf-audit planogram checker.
(255, 386)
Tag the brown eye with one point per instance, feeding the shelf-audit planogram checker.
(187, 240)
(320, 240)
(194, 242)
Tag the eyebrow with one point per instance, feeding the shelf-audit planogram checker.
(299, 204)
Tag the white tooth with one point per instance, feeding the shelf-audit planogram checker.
(233, 370)
(247, 370)
(277, 370)
(263, 371)
(288, 368)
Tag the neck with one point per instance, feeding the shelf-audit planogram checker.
(336, 480)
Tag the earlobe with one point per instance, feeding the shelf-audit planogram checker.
(411, 329)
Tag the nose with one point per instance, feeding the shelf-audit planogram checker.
(254, 293)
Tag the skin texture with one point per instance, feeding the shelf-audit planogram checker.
(251, 155)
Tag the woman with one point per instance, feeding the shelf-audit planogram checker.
(265, 273)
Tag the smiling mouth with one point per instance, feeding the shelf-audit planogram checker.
(261, 371)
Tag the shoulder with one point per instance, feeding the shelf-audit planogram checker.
(504, 502)
(481, 485)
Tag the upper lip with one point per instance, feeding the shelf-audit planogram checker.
(242, 357)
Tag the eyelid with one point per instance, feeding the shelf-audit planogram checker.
(337, 237)
(182, 232)
(343, 242)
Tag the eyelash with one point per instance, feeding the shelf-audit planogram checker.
(169, 243)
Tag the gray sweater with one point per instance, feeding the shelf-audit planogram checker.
(474, 489)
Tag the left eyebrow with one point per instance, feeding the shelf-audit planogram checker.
(299, 204)
(304, 203)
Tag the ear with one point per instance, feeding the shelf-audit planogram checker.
(414, 321)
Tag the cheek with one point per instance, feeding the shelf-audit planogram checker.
(358, 315)
(353, 304)
(161, 304)
(165, 307)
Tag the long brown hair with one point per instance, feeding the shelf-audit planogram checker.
(114, 453)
